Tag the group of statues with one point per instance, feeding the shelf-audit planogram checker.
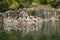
(21, 20)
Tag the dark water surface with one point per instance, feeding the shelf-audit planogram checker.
(49, 31)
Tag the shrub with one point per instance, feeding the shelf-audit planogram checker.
(14, 5)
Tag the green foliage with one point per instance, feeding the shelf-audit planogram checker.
(26, 5)
(3, 6)
(35, 3)
(14, 5)
(54, 3)
(48, 6)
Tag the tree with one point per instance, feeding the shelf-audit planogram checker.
(3, 6)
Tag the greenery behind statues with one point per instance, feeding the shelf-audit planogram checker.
(14, 4)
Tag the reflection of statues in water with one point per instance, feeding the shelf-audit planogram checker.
(1, 21)
(53, 24)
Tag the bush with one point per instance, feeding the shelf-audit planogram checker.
(3, 6)
(14, 5)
